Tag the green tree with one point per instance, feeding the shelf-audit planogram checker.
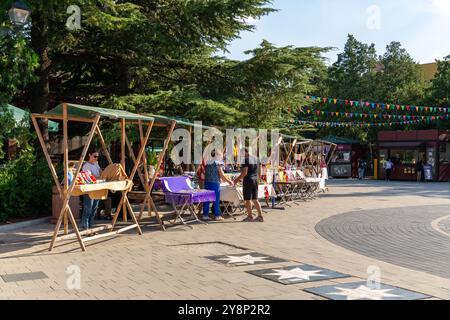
(17, 64)
(393, 78)
(399, 79)
(274, 81)
(126, 46)
(440, 85)
(351, 76)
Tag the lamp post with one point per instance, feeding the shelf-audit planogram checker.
(19, 14)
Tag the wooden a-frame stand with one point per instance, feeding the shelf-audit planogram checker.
(148, 200)
(66, 191)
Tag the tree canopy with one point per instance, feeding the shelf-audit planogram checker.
(392, 78)
(163, 56)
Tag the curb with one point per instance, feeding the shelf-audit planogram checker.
(23, 224)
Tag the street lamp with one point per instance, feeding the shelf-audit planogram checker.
(19, 13)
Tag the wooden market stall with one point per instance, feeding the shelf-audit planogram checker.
(72, 113)
(344, 163)
(410, 149)
(148, 180)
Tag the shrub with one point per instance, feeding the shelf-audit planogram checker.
(25, 182)
(25, 187)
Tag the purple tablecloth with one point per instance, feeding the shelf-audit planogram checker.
(190, 196)
(179, 190)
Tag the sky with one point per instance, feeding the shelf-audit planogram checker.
(422, 26)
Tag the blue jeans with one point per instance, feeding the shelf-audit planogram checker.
(89, 209)
(214, 186)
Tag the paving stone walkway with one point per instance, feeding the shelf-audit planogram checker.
(174, 264)
(402, 236)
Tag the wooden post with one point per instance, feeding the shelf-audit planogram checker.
(47, 156)
(146, 177)
(133, 157)
(162, 154)
(148, 197)
(294, 143)
(70, 190)
(123, 162)
(332, 154)
(66, 164)
(141, 135)
(104, 146)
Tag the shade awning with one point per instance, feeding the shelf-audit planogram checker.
(21, 117)
(169, 120)
(340, 140)
(80, 111)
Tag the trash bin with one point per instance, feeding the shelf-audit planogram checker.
(428, 172)
(74, 204)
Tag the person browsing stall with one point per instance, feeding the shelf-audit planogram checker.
(213, 174)
(249, 175)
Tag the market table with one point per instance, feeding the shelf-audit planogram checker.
(184, 198)
(232, 196)
(313, 185)
(289, 190)
(99, 191)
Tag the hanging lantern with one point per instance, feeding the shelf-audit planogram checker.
(19, 14)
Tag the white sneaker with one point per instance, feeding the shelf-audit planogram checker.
(206, 218)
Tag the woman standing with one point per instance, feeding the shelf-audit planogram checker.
(90, 206)
(213, 174)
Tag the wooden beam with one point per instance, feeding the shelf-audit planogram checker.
(85, 232)
(65, 163)
(104, 146)
(47, 156)
(148, 197)
(122, 160)
(72, 186)
(162, 154)
(133, 157)
(61, 117)
(141, 151)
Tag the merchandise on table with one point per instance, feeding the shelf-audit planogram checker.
(85, 177)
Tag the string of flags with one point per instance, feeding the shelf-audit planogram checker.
(377, 105)
(385, 116)
(354, 124)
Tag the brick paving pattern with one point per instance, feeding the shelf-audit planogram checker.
(173, 264)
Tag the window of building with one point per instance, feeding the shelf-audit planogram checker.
(342, 157)
(404, 157)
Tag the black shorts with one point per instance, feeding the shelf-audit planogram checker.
(250, 190)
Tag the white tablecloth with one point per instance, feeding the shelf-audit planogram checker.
(235, 195)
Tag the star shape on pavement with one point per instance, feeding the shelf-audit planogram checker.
(247, 259)
(364, 292)
(296, 274)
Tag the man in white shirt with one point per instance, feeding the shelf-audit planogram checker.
(388, 166)
(90, 206)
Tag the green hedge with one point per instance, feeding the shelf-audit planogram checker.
(25, 187)
(25, 182)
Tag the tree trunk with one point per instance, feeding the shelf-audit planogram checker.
(40, 90)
